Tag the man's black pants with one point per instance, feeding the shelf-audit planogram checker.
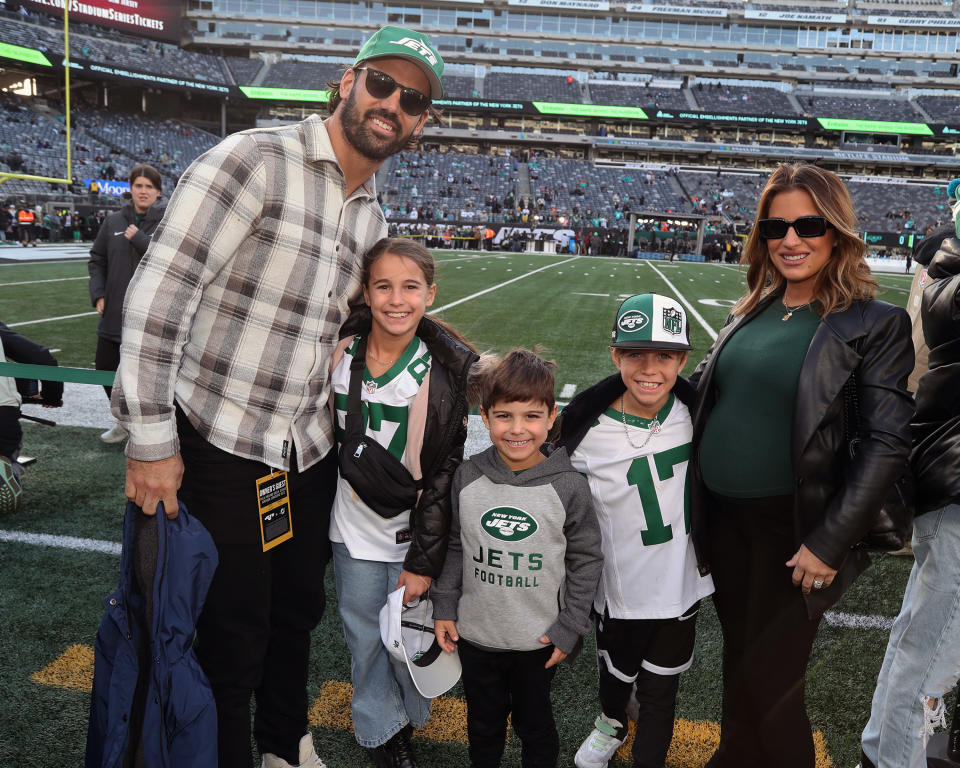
(253, 636)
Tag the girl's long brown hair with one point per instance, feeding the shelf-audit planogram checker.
(419, 255)
(845, 277)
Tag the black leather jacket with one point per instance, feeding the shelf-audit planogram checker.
(936, 426)
(443, 439)
(836, 500)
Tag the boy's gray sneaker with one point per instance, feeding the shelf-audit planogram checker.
(116, 434)
(602, 743)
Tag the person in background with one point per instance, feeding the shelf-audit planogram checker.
(122, 241)
(923, 652)
(782, 502)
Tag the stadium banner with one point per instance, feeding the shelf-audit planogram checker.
(107, 187)
(26, 55)
(877, 180)
(577, 5)
(481, 105)
(913, 21)
(825, 18)
(676, 10)
(874, 126)
(158, 19)
(286, 94)
(133, 76)
(589, 110)
(732, 119)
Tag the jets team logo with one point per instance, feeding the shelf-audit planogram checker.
(508, 523)
(633, 321)
(672, 321)
(419, 46)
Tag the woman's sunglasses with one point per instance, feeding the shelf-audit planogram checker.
(805, 226)
(380, 85)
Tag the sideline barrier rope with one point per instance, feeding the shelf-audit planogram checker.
(57, 373)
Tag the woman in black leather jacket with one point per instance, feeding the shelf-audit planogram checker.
(779, 502)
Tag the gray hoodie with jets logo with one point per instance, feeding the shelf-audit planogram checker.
(524, 556)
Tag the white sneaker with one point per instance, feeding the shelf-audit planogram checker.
(308, 757)
(601, 744)
(116, 434)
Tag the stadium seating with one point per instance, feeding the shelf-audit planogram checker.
(244, 71)
(637, 95)
(513, 85)
(743, 100)
(867, 108)
(445, 185)
(166, 144)
(298, 73)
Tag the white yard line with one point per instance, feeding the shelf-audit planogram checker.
(35, 282)
(567, 392)
(62, 542)
(50, 319)
(602, 295)
(683, 300)
(501, 285)
(833, 618)
(855, 621)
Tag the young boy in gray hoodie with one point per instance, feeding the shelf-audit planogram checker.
(522, 567)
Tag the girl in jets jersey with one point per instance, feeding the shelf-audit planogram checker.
(413, 400)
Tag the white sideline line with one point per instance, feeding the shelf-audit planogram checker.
(54, 280)
(687, 304)
(855, 621)
(833, 618)
(50, 319)
(62, 542)
(500, 285)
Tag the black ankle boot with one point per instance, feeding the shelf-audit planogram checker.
(403, 754)
(382, 756)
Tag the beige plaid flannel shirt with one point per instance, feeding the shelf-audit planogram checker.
(234, 309)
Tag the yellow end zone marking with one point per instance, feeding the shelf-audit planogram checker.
(693, 741)
(71, 669)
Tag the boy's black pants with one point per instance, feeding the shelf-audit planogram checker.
(501, 683)
(650, 653)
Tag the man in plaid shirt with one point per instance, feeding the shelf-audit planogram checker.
(228, 327)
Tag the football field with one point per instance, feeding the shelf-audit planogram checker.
(59, 553)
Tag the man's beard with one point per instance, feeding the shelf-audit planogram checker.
(359, 135)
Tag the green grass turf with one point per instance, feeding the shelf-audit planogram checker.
(52, 598)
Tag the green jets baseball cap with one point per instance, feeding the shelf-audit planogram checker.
(650, 321)
(406, 44)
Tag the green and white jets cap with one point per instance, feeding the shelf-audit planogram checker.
(650, 321)
(406, 44)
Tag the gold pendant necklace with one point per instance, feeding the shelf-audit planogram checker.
(791, 310)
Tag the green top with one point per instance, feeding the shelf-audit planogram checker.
(745, 449)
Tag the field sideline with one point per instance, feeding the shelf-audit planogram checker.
(51, 593)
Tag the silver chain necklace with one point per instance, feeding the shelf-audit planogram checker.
(654, 428)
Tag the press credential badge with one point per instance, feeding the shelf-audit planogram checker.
(273, 501)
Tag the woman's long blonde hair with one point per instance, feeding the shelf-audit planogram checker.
(845, 277)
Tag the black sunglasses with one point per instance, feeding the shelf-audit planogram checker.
(380, 85)
(805, 226)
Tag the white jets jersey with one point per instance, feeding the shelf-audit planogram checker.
(642, 499)
(385, 404)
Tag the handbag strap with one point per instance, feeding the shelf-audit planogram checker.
(353, 426)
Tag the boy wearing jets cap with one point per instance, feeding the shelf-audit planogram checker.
(630, 435)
